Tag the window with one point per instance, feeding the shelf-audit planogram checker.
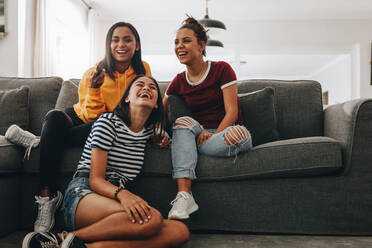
(67, 38)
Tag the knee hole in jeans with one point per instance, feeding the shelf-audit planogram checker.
(236, 134)
(184, 121)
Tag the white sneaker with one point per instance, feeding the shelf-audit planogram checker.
(18, 136)
(183, 205)
(47, 208)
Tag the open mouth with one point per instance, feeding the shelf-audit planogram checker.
(121, 52)
(181, 54)
(145, 95)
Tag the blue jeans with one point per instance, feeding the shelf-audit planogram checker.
(185, 150)
(76, 190)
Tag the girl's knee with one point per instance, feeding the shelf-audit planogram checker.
(236, 134)
(184, 122)
(55, 114)
(181, 233)
(154, 225)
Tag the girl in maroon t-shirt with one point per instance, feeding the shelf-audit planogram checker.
(215, 127)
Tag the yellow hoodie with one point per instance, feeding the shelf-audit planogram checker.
(95, 101)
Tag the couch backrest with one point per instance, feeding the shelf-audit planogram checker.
(298, 105)
(43, 94)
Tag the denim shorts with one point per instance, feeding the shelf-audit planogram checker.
(76, 190)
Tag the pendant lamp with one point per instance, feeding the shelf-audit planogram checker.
(211, 24)
(216, 43)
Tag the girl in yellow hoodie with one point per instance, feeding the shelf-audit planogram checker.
(100, 90)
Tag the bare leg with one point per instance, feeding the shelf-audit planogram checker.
(184, 184)
(100, 218)
(172, 234)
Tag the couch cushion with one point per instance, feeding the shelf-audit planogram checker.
(10, 156)
(311, 156)
(42, 96)
(68, 95)
(259, 115)
(14, 108)
(298, 105)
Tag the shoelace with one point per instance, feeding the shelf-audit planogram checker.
(28, 149)
(180, 195)
(43, 210)
(53, 239)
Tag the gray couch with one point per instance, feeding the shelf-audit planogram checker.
(316, 179)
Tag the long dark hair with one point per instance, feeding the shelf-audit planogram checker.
(108, 62)
(157, 115)
(198, 28)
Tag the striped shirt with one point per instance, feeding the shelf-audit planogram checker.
(125, 148)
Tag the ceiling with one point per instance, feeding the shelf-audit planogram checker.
(237, 9)
(234, 11)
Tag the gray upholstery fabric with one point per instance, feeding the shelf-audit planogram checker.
(259, 115)
(14, 108)
(298, 105)
(10, 207)
(42, 96)
(68, 95)
(10, 157)
(315, 156)
(295, 185)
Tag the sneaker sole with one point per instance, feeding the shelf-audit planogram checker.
(184, 217)
(27, 239)
(53, 220)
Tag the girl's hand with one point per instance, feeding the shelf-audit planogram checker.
(164, 143)
(96, 78)
(203, 137)
(138, 210)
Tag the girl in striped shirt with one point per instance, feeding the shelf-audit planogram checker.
(98, 209)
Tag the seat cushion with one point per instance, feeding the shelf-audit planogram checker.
(14, 108)
(259, 115)
(311, 156)
(10, 156)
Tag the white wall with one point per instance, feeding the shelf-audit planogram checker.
(9, 43)
(268, 37)
(336, 79)
(351, 37)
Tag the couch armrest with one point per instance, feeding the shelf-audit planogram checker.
(351, 124)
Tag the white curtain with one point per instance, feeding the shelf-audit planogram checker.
(60, 45)
(40, 63)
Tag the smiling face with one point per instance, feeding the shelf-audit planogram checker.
(123, 45)
(187, 47)
(143, 92)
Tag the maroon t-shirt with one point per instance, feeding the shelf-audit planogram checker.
(205, 98)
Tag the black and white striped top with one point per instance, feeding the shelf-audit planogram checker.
(125, 148)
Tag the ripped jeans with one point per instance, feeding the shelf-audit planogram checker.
(228, 143)
(76, 190)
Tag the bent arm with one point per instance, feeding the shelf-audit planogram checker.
(230, 96)
(91, 103)
(97, 180)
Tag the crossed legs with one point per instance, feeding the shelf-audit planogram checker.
(102, 222)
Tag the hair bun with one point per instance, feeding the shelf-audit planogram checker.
(192, 21)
